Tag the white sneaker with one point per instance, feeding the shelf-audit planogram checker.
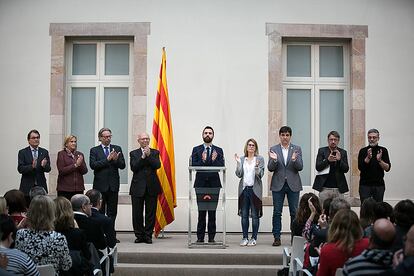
(244, 242)
(252, 242)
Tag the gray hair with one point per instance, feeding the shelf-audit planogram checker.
(373, 130)
(336, 205)
(78, 201)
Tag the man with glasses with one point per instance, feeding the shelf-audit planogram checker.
(33, 162)
(373, 160)
(285, 161)
(106, 160)
(331, 166)
(145, 188)
(207, 184)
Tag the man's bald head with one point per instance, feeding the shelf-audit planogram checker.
(383, 234)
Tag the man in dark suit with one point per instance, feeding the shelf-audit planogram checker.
(105, 160)
(145, 188)
(207, 184)
(331, 164)
(285, 161)
(33, 162)
(81, 206)
(106, 223)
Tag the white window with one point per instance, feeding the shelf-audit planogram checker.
(315, 97)
(99, 85)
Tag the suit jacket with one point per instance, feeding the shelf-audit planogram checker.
(93, 231)
(207, 179)
(106, 174)
(107, 225)
(31, 175)
(341, 168)
(145, 177)
(70, 178)
(289, 171)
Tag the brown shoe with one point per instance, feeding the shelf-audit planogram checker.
(276, 242)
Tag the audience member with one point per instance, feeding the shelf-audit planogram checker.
(81, 206)
(404, 219)
(17, 206)
(344, 241)
(382, 209)
(77, 243)
(40, 241)
(366, 213)
(35, 191)
(404, 258)
(18, 262)
(309, 211)
(378, 257)
(106, 223)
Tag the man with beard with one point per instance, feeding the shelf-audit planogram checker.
(207, 184)
(373, 160)
(331, 164)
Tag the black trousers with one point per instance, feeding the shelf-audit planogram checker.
(138, 203)
(110, 205)
(376, 192)
(204, 207)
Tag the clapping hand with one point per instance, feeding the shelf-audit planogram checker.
(237, 158)
(273, 155)
(379, 155)
(44, 162)
(214, 155)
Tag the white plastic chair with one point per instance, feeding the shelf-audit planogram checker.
(298, 268)
(297, 251)
(46, 270)
(113, 252)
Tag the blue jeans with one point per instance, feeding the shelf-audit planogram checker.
(247, 206)
(278, 198)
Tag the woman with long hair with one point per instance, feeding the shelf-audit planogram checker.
(71, 166)
(309, 209)
(250, 170)
(345, 240)
(40, 241)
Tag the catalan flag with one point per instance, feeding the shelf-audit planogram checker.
(162, 139)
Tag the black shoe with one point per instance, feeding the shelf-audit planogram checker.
(148, 241)
(117, 241)
(200, 241)
(211, 241)
(276, 242)
(139, 240)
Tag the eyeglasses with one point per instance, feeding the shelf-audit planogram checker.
(35, 137)
(373, 137)
(251, 145)
(106, 137)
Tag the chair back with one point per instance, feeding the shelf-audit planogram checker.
(339, 272)
(298, 250)
(46, 270)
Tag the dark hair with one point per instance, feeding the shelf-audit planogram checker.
(94, 196)
(7, 226)
(373, 130)
(16, 201)
(366, 213)
(326, 205)
(403, 213)
(102, 130)
(334, 133)
(383, 210)
(285, 129)
(304, 211)
(30, 133)
(209, 127)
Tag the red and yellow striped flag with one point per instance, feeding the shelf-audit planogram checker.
(162, 139)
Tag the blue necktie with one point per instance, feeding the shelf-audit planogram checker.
(106, 151)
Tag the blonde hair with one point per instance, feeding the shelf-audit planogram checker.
(256, 149)
(3, 206)
(41, 213)
(345, 230)
(67, 139)
(64, 214)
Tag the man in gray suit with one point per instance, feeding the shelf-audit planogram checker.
(285, 161)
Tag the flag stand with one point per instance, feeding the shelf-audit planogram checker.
(162, 236)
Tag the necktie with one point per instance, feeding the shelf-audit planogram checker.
(35, 154)
(208, 152)
(106, 151)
